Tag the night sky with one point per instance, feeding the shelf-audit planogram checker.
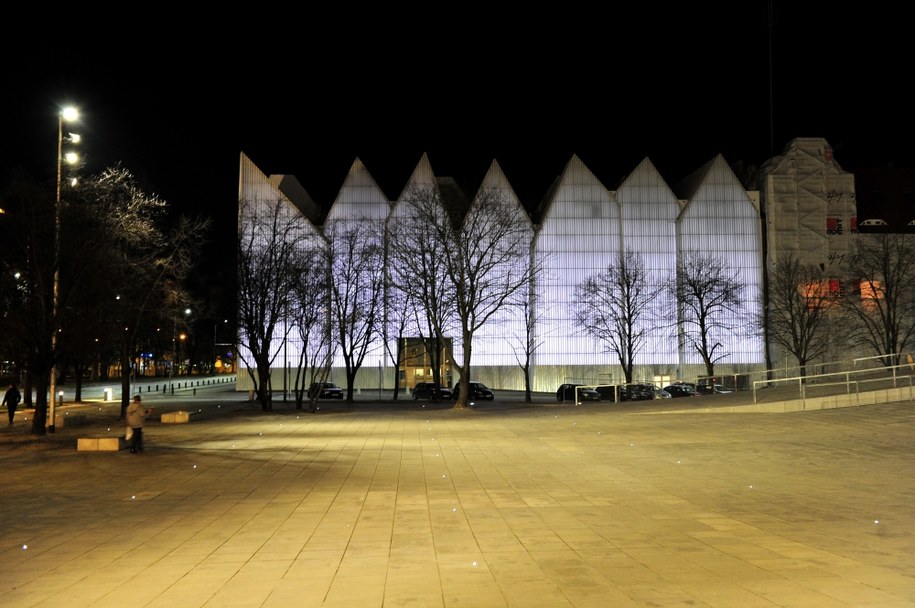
(177, 100)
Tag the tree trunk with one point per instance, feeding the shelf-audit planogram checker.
(40, 418)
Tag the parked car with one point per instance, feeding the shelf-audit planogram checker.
(431, 390)
(478, 390)
(607, 392)
(566, 392)
(637, 392)
(660, 393)
(681, 390)
(325, 390)
(647, 390)
(708, 389)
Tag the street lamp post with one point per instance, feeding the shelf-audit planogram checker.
(171, 371)
(67, 114)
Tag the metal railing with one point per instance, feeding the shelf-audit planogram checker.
(848, 382)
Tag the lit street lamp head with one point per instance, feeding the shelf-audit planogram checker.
(67, 114)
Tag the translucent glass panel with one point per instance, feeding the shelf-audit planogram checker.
(360, 210)
(579, 236)
(721, 220)
(259, 203)
(649, 212)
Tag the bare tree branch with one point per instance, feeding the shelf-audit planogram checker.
(617, 306)
(357, 290)
(801, 303)
(272, 240)
(882, 300)
(710, 302)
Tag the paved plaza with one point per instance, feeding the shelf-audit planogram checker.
(408, 504)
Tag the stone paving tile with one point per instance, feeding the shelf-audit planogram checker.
(518, 506)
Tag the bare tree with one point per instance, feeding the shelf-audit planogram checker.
(487, 261)
(148, 261)
(26, 324)
(398, 313)
(357, 291)
(272, 238)
(417, 236)
(311, 317)
(709, 299)
(801, 300)
(527, 341)
(110, 228)
(616, 307)
(883, 272)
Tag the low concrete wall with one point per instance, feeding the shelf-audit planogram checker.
(813, 403)
(70, 419)
(100, 444)
(176, 417)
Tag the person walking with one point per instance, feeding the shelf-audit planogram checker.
(11, 400)
(136, 416)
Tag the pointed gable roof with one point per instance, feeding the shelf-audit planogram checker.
(716, 174)
(359, 197)
(574, 169)
(257, 191)
(255, 187)
(422, 176)
(495, 179)
(645, 173)
(687, 186)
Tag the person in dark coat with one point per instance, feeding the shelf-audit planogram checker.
(11, 399)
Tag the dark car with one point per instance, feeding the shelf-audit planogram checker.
(607, 392)
(681, 390)
(708, 389)
(431, 390)
(478, 390)
(637, 392)
(647, 391)
(566, 392)
(324, 390)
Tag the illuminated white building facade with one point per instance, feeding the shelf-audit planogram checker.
(579, 229)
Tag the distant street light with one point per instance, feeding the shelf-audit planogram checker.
(171, 371)
(68, 114)
(216, 343)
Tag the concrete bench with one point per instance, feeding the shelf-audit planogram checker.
(69, 419)
(176, 417)
(100, 444)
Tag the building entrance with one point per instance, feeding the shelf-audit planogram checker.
(418, 358)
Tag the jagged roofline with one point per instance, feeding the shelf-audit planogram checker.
(424, 174)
